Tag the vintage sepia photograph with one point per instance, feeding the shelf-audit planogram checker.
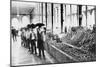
(51, 33)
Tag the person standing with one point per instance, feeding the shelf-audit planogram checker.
(12, 32)
(43, 33)
(33, 42)
(40, 41)
(28, 39)
(22, 37)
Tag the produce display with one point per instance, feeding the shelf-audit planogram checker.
(80, 55)
(86, 39)
(75, 36)
(82, 38)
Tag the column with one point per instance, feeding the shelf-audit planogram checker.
(61, 18)
(52, 15)
(80, 15)
(46, 13)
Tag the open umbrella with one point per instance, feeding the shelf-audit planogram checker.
(29, 26)
(33, 25)
(40, 24)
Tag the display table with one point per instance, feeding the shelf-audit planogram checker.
(64, 52)
(58, 54)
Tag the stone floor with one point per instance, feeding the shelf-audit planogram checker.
(21, 56)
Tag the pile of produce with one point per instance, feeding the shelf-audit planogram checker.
(75, 36)
(89, 42)
(49, 35)
(86, 39)
(80, 55)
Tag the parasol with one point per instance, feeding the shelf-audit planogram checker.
(29, 26)
(40, 24)
(33, 25)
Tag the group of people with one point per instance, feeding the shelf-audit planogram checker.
(34, 39)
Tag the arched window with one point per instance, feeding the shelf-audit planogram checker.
(15, 23)
(25, 21)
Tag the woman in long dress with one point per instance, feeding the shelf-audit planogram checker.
(40, 42)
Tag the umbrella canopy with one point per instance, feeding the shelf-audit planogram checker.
(40, 24)
(33, 25)
(23, 28)
(29, 26)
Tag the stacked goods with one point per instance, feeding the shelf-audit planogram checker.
(75, 36)
(89, 42)
(59, 45)
(79, 36)
(78, 54)
(67, 37)
(85, 39)
(49, 36)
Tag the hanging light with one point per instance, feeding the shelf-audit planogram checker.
(17, 10)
